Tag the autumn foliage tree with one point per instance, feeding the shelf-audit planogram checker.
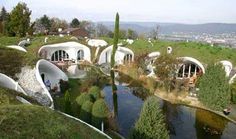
(165, 68)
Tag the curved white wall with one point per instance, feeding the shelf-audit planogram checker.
(71, 48)
(97, 43)
(51, 72)
(9, 83)
(105, 56)
(17, 48)
(228, 66)
(154, 54)
(194, 61)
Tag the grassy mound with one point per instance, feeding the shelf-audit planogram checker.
(30, 121)
(8, 96)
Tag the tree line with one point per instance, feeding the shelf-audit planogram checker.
(18, 23)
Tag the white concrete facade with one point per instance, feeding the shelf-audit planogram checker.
(69, 50)
(151, 57)
(48, 71)
(228, 66)
(122, 55)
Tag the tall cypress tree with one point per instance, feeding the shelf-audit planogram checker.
(4, 16)
(115, 40)
(115, 43)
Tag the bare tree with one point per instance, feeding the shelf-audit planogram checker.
(89, 26)
(58, 23)
(102, 30)
(154, 33)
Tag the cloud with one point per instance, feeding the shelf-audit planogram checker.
(188, 11)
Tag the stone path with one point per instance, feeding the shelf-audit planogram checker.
(27, 80)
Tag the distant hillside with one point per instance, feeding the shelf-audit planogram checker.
(168, 28)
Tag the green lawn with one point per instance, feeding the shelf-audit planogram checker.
(18, 120)
(203, 52)
(31, 121)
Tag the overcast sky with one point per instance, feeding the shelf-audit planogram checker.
(178, 11)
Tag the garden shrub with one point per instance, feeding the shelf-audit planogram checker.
(86, 111)
(214, 88)
(67, 103)
(83, 98)
(11, 62)
(94, 91)
(150, 124)
(100, 113)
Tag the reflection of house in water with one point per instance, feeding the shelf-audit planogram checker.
(190, 67)
(208, 124)
(123, 55)
(69, 51)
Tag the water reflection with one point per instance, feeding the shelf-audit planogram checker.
(209, 125)
(114, 94)
(183, 122)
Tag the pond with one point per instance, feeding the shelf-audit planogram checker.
(183, 122)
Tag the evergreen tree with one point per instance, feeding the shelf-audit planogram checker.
(4, 18)
(45, 22)
(19, 21)
(214, 88)
(3, 14)
(150, 124)
(75, 23)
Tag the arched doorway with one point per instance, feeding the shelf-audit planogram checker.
(43, 77)
(80, 55)
(59, 55)
(188, 70)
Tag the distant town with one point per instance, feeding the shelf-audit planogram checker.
(221, 40)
